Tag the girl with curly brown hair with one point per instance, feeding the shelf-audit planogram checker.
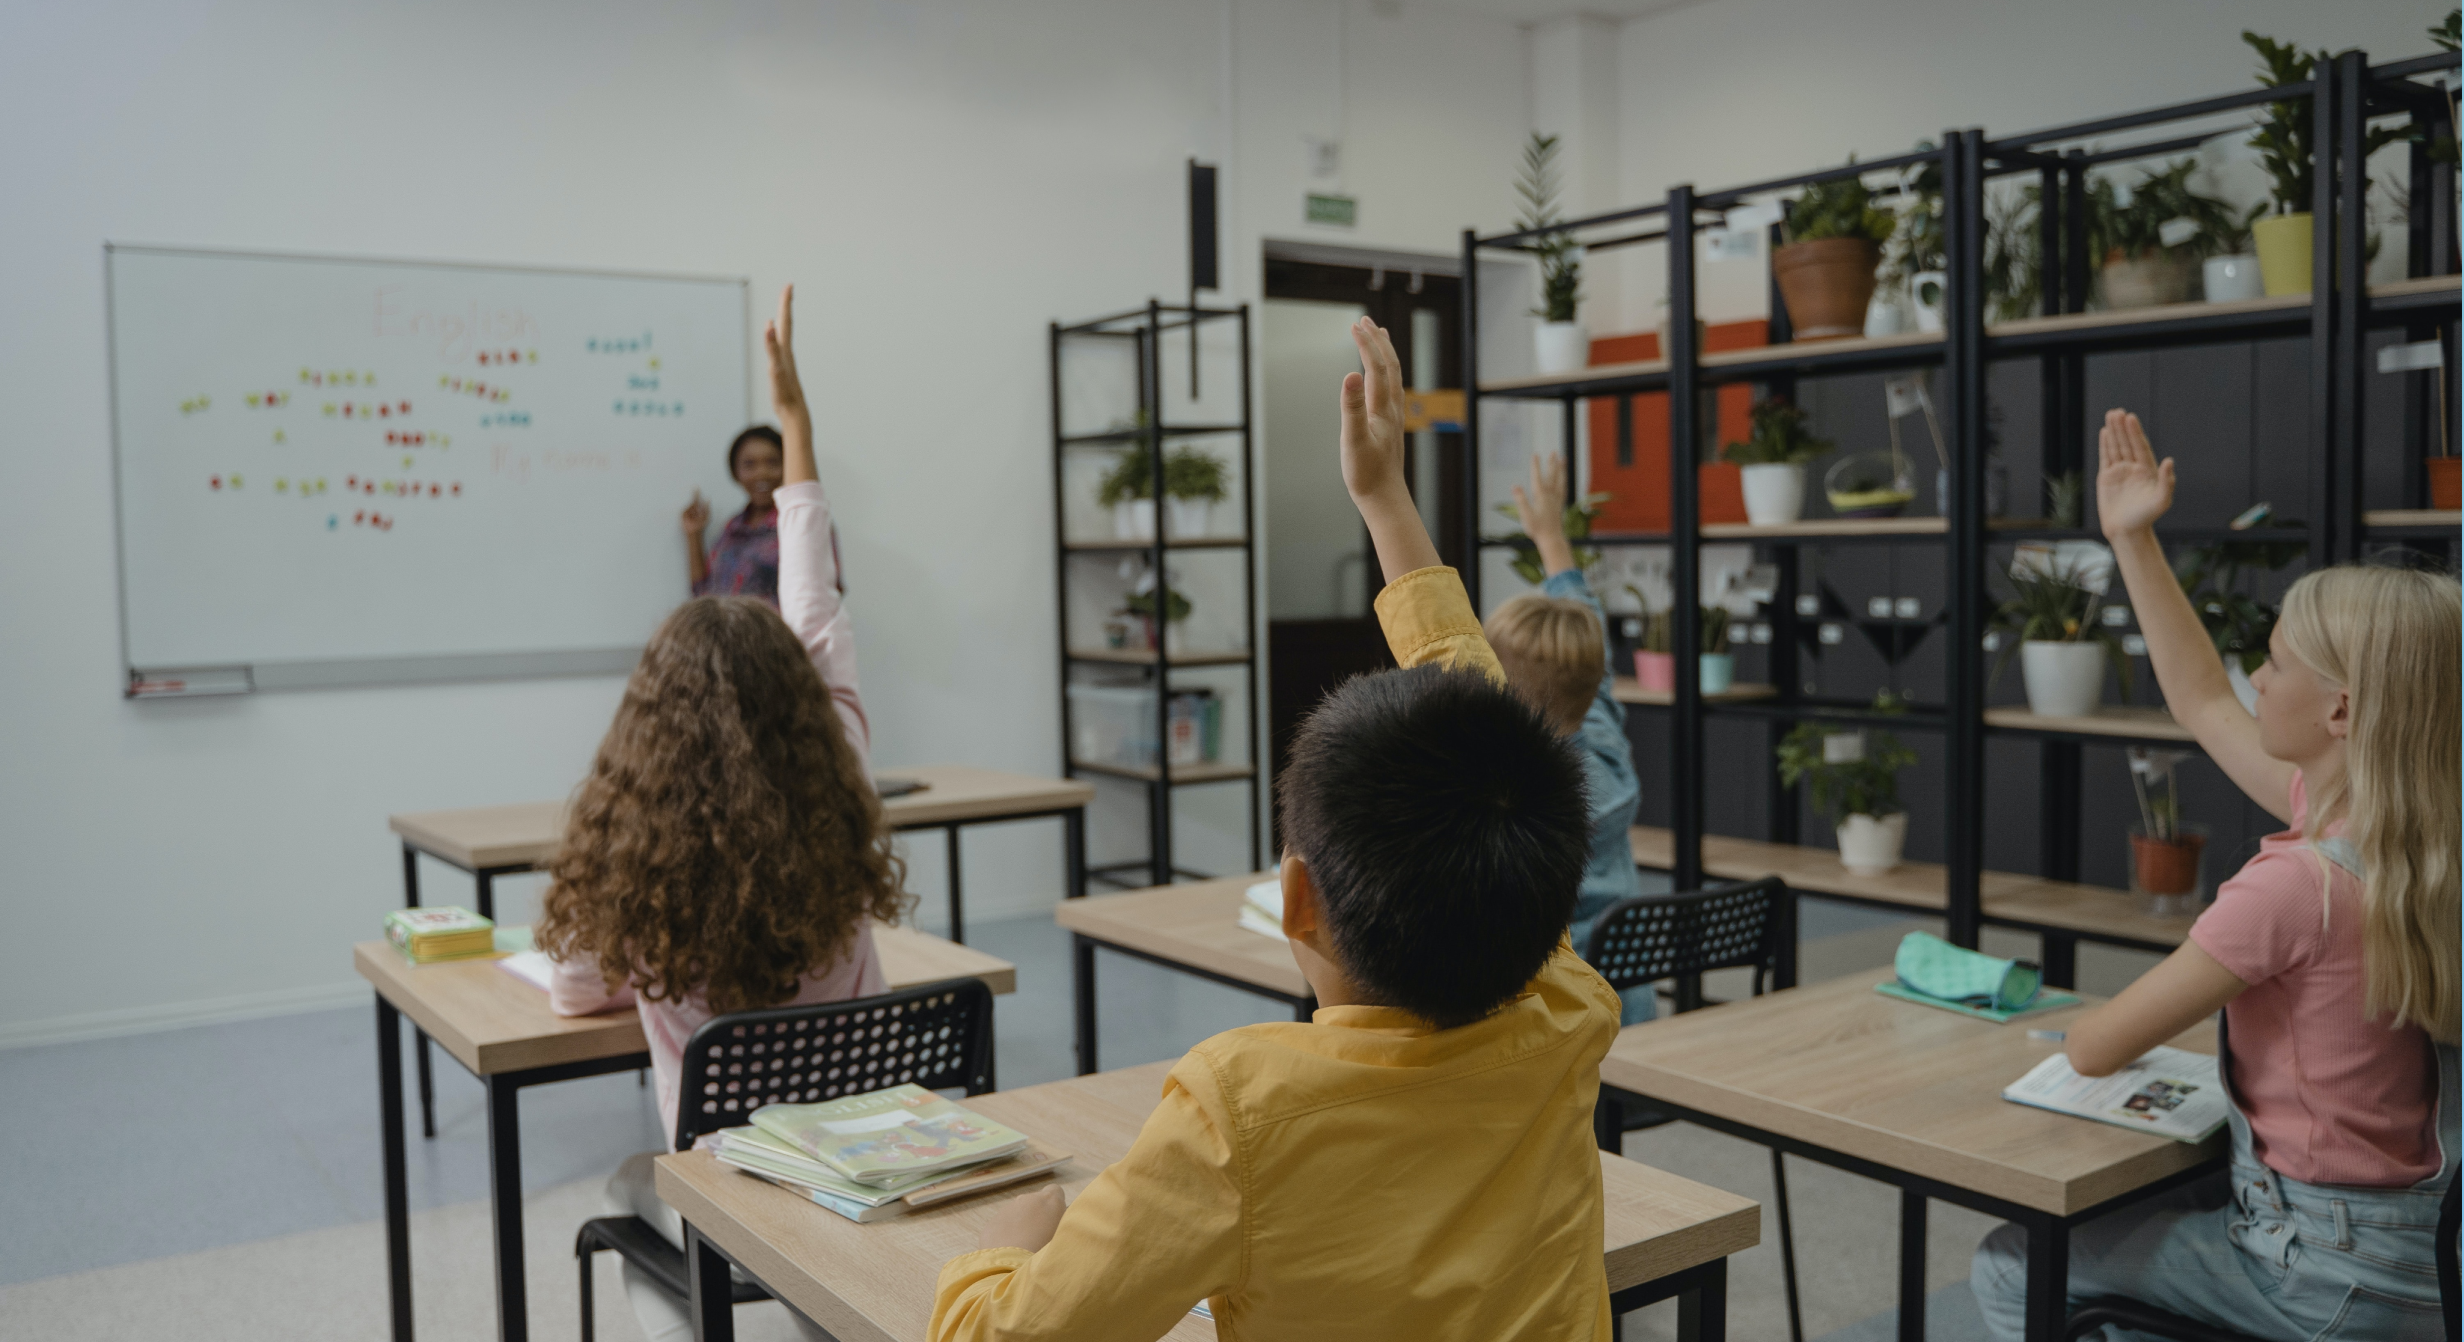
(727, 851)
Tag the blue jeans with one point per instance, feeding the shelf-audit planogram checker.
(2253, 1251)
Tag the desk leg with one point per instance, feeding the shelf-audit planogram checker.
(958, 908)
(397, 1178)
(2048, 1278)
(487, 893)
(1074, 824)
(713, 1295)
(2059, 957)
(505, 1207)
(1912, 1265)
(1082, 989)
(1702, 1309)
(1784, 951)
(427, 1074)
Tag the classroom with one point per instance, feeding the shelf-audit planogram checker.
(938, 670)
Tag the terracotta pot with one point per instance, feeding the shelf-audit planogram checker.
(2166, 866)
(2283, 244)
(1827, 285)
(2443, 482)
(1656, 670)
(2145, 281)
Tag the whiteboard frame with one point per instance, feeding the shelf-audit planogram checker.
(171, 682)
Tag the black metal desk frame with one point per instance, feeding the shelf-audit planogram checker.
(1082, 948)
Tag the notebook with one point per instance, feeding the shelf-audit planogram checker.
(2170, 1092)
(881, 1136)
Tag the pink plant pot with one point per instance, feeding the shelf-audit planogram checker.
(1656, 670)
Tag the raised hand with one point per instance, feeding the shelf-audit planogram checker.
(696, 517)
(2133, 489)
(778, 339)
(1542, 509)
(1373, 417)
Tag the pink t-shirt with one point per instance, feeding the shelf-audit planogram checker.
(2332, 1097)
(809, 600)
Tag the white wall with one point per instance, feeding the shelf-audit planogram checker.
(939, 178)
(1734, 91)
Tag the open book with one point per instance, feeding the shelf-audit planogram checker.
(2170, 1092)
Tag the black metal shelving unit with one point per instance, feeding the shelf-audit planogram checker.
(1146, 331)
(2337, 315)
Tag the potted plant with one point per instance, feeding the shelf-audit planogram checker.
(2147, 242)
(1718, 669)
(2053, 618)
(2230, 273)
(1128, 489)
(1558, 346)
(1917, 250)
(2167, 857)
(1771, 461)
(2283, 142)
(2237, 623)
(1870, 484)
(1194, 482)
(1825, 270)
(1580, 515)
(1855, 777)
(1655, 667)
(1141, 603)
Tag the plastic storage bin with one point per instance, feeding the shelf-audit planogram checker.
(1115, 724)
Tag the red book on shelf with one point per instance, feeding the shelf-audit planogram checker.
(1635, 473)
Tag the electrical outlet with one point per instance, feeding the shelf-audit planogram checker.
(2117, 617)
(1878, 607)
(1908, 608)
(1809, 605)
(1831, 635)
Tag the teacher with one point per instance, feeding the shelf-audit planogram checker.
(745, 561)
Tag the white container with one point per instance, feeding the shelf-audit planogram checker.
(1112, 724)
(1188, 518)
(1774, 492)
(1926, 290)
(2232, 278)
(2064, 680)
(1870, 847)
(1134, 520)
(1560, 347)
(1717, 671)
(1884, 316)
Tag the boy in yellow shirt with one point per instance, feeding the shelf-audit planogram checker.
(1417, 1161)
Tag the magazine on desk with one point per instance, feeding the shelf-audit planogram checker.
(2170, 1092)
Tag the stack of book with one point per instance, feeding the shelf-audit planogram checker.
(882, 1154)
(1262, 909)
(426, 936)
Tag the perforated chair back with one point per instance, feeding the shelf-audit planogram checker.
(1653, 937)
(937, 1036)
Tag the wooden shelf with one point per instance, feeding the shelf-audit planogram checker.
(1181, 773)
(1830, 526)
(2137, 724)
(2426, 284)
(1593, 373)
(1171, 542)
(1142, 657)
(2412, 517)
(1630, 691)
(2158, 314)
(1827, 351)
(2009, 899)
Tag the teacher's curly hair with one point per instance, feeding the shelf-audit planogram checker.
(728, 840)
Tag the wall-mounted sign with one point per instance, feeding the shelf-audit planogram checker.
(1321, 209)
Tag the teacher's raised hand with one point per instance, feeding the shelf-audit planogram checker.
(787, 391)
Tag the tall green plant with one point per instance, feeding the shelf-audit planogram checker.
(2137, 228)
(1192, 474)
(1918, 244)
(2054, 604)
(1866, 786)
(1839, 209)
(1131, 477)
(1779, 436)
(2237, 622)
(1561, 265)
(2283, 138)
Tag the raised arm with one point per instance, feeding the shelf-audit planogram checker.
(1544, 520)
(808, 563)
(696, 521)
(2133, 490)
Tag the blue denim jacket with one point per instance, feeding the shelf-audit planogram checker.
(1608, 768)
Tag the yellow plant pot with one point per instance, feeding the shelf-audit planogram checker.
(2283, 242)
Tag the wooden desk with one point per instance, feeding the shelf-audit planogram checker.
(493, 841)
(2062, 913)
(1191, 928)
(874, 1283)
(1909, 1095)
(500, 1028)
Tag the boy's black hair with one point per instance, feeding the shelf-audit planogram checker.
(1446, 828)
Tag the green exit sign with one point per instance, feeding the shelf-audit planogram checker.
(1342, 210)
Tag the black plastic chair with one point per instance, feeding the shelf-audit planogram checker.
(938, 1036)
(1648, 938)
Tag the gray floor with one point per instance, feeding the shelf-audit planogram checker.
(145, 1147)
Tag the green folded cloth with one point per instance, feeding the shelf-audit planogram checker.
(1935, 968)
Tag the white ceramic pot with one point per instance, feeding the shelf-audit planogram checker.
(1884, 316)
(1134, 520)
(2230, 279)
(1926, 290)
(2242, 688)
(1718, 672)
(1774, 492)
(1560, 347)
(1188, 518)
(2064, 679)
(1870, 847)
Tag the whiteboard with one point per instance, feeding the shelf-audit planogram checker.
(334, 471)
